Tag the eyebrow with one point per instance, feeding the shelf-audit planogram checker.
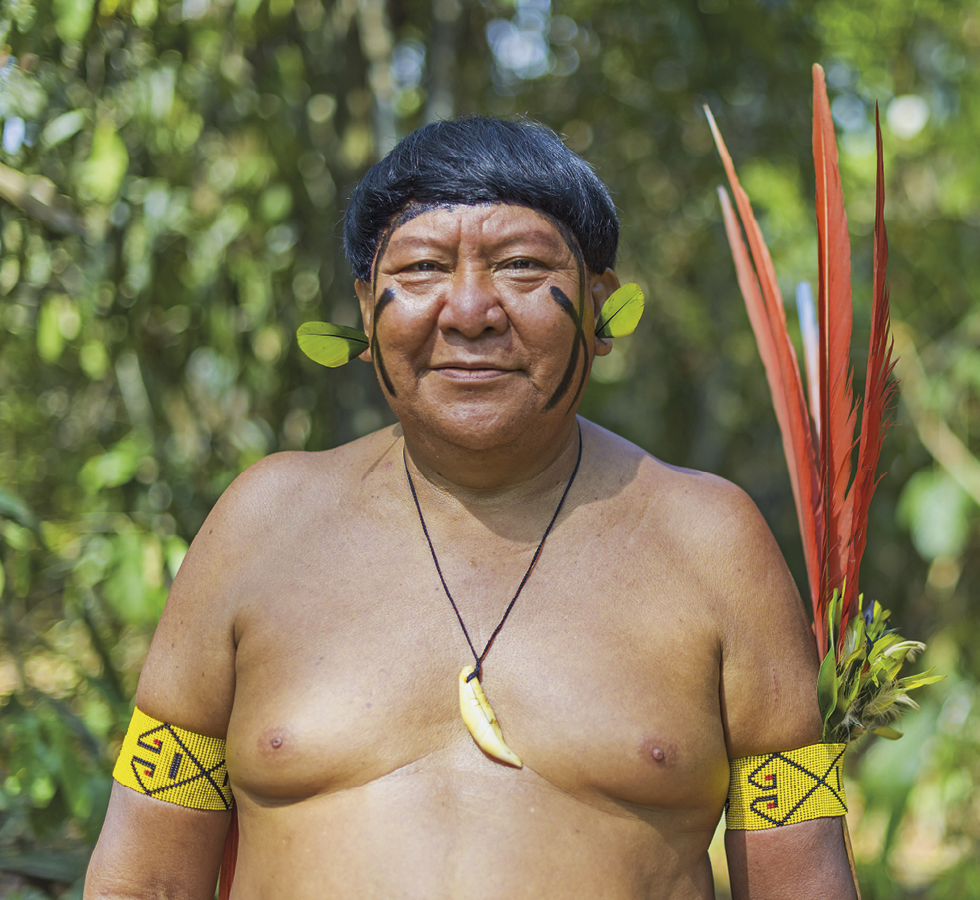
(524, 235)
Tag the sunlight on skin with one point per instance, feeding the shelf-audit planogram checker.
(575, 312)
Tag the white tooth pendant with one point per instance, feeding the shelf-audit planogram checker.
(473, 706)
(480, 720)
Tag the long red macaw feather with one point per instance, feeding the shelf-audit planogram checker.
(836, 427)
(879, 390)
(833, 515)
(763, 301)
(229, 858)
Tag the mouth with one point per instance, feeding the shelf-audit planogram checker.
(471, 371)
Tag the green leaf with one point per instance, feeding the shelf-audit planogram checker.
(938, 514)
(49, 865)
(827, 687)
(329, 344)
(63, 127)
(886, 731)
(50, 336)
(72, 19)
(855, 643)
(833, 619)
(115, 467)
(108, 160)
(917, 681)
(621, 312)
(13, 507)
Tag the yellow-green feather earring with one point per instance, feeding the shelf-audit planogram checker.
(621, 312)
(334, 345)
(329, 344)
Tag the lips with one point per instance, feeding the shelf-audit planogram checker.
(471, 371)
(473, 365)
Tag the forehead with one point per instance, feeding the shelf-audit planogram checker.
(486, 223)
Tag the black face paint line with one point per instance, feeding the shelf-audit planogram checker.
(568, 236)
(577, 317)
(387, 295)
(413, 210)
(580, 343)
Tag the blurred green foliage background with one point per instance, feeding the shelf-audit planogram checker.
(172, 177)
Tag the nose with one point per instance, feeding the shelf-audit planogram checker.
(473, 305)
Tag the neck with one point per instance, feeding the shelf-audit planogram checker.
(519, 472)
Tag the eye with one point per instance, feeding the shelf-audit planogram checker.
(521, 263)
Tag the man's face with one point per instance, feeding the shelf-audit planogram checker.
(482, 321)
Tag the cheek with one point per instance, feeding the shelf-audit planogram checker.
(544, 319)
(557, 337)
(404, 321)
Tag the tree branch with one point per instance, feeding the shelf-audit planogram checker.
(936, 436)
(37, 197)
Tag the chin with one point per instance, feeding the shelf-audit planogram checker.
(476, 427)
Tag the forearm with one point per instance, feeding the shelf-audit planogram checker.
(104, 881)
(153, 850)
(807, 861)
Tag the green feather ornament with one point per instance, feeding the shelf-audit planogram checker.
(329, 344)
(859, 689)
(621, 312)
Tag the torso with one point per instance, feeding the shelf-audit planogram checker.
(353, 772)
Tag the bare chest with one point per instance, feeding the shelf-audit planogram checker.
(604, 680)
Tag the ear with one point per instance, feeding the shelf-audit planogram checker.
(602, 288)
(366, 301)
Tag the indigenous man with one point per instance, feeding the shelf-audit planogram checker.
(323, 613)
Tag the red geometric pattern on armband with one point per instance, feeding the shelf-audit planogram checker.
(174, 764)
(784, 788)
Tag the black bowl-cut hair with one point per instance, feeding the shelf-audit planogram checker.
(476, 160)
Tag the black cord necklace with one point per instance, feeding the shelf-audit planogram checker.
(475, 709)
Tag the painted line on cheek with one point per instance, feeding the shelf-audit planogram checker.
(579, 343)
(580, 324)
(387, 295)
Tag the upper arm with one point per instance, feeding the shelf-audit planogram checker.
(769, 662)
(188, 678)
(769, 703)
(150, 847)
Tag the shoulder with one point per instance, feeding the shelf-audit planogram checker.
(269, 507)
(711, 531)
(287, 484)
(708, 519)
(263, 520)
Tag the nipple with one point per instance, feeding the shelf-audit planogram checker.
(275, 740)
(661, 752)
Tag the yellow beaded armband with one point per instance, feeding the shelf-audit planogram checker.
(173, 764)
(786, 788)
